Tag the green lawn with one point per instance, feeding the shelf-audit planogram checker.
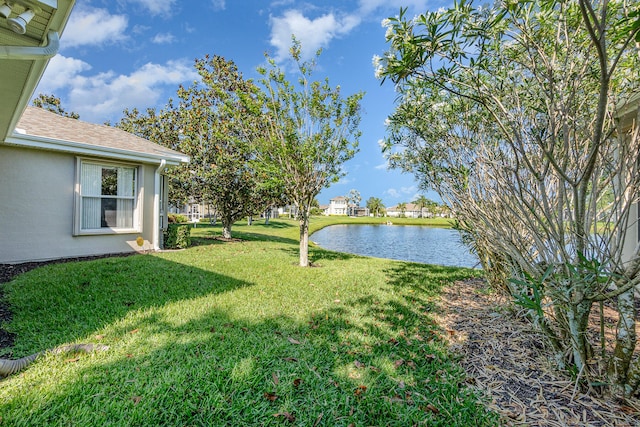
(235, 333)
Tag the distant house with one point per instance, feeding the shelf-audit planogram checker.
(411, 210)
(338, 206)
(71, 188)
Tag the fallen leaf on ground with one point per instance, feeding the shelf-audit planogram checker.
(297, 382)
(360, 390)
(398, 363)
(275, 378)
(290, 359)
(136, 399)
(75, 359)
(287, 416)
(135, 331)
(431, 408)
(293, 341)
(358, 364)
(270, 396)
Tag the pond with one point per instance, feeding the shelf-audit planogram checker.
(429, 245)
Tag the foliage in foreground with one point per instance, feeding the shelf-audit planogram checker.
(236, 333)
(510, 113)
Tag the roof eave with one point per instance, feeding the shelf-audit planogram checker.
(37, 142)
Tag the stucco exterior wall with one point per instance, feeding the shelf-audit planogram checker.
(37, 211)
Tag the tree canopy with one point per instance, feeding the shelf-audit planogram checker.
(52, 103)
(311, 131)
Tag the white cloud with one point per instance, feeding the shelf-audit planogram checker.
(59, 72)
(156, 7)
(402, 192)
(163, 38)
(218, 4)
(102, 96)
(382, 166)
(392, 192)
(92, 26)
(312, 33)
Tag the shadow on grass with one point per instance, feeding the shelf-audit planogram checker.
(375, 359)
(92, 294)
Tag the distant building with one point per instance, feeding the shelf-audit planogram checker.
(340, 206)
(337, 206)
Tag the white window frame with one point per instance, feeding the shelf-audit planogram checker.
(136, 198)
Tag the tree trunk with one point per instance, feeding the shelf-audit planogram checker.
(267, 215)
(249, 220)
(304, 238)
(226, 228)
(578, 319)
(625, 344)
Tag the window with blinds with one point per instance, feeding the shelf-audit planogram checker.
(108, 195)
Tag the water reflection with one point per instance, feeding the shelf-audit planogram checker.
(429, 245)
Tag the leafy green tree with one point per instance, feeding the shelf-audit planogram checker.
(375, 206)
(221, 152)
(164, 128)
(206, 126)
(508, 112)
(52, 103)
(312, 131)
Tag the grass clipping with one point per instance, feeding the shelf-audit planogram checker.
(504, 359)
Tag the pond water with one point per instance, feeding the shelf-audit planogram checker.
(429, 245)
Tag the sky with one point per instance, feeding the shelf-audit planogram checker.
(124, 54)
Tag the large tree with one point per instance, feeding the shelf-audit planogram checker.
(212, 125)
(52, 103)
(162, 127)
(312, 132)
(508, 112)
(214, 118)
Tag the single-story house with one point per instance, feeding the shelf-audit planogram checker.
(71, 188)
(411, 210)
(67, 188)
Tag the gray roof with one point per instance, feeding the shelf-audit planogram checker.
(41, 123)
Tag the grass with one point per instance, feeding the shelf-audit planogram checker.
(235, 333)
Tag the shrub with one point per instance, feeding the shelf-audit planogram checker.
(177, 236)
(177, 218)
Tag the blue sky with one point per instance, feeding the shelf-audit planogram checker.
(118, 54)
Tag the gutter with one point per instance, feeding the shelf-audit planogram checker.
(21, 139)
(156, 205)
(31, 53)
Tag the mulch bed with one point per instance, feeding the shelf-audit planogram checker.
(504, 359)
